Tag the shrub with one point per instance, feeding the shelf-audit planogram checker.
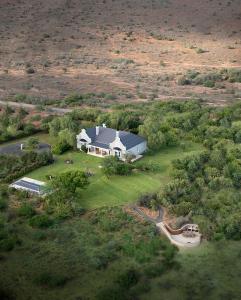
(26, 210)
(142, 287)
(110, 225)
(155, 270)
(30, 71)
(51, 280)
(60, 148)
(112, 293)
(6, 295)
(84, 148)
(183, 81)
(77, 209)
(7, 244)
(128, 279)
(99, 262)
(41, 221)
(3, 203)
(209, 83)
(39, 235)
(147, 166)
(113, 166)
(147, 200)
(200, 50)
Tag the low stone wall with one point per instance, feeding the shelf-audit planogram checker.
(178, 239)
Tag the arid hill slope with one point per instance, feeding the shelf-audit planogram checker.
(134, 49)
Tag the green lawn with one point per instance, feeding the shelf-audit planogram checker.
(118, 189)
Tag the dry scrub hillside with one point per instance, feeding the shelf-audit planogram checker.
(136, 49)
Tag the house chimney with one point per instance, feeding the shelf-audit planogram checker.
(104, 125)
(117, 134)
(97, 130)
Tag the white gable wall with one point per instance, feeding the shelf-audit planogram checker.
(117, 144)
(138, 149)
(82, 135)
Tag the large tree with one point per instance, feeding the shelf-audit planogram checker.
(67, 183)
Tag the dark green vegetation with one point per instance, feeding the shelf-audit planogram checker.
(13, 125)
(197, 189)
(208, 186)
(57, 247)
(65, 193)
(107, 254)
(211, 271)
(113, 166)
(211, 79)
(90, 99)
(102, 254)
(13, 166)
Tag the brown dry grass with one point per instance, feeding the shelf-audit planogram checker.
(75, 45)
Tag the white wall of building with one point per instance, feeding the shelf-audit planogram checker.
(138, 149)
(117, 144)
(82, 135)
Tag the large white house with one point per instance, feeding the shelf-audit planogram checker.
(102, 141)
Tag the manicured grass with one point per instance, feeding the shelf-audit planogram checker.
(118, 189)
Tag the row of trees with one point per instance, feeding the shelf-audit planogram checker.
(13, 124)
(13, 167)
(207, 186)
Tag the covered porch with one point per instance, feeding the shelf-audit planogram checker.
(103, 151)
(98, 151)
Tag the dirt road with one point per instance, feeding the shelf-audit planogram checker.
(56, 110)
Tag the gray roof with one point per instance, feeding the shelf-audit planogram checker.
(96, 144)
(108, 135)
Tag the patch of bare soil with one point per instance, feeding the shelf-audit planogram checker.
(133, 49)
(149, 212)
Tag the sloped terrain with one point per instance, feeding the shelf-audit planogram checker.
(131, 50)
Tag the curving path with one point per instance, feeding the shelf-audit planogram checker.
(176, 237)
(179, 239)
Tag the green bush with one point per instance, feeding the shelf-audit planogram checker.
(142, 287)
(148, 200)
(209, 83)
(199, 51)
(60, 148)
(77, 209)
(3, 203)
(41, 221)
(84, 148)
(112, 293)
(51, 280)
(113, 166)
(128, 279)
(6, 294)
(26, 210)
(99, 262)
(7, 244)
(155, 270)
(39, 235)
